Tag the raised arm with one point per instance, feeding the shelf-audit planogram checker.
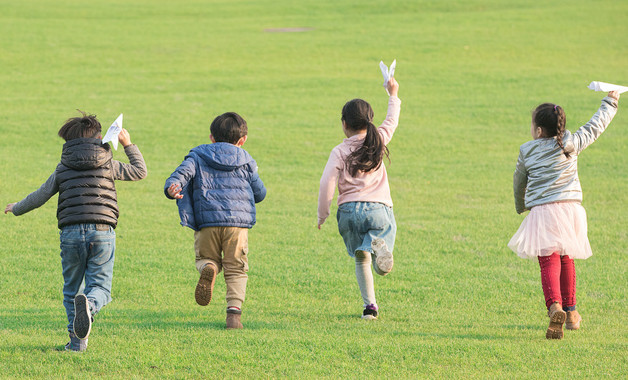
(136, 168)
(387, 129)
(328, 185)
(35, 199)
(589, 132)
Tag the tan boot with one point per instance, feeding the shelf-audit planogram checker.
(573, 320)
(205, 286)
(557, 317)
(233, 319)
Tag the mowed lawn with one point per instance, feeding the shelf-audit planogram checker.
(459, 303)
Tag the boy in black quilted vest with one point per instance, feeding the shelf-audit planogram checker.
(87, 215)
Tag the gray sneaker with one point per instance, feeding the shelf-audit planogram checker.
(82, 317)
(75, 344)
(383, 256)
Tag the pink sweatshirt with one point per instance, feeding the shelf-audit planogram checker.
(364, 187)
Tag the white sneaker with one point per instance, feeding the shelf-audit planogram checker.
(383, 257)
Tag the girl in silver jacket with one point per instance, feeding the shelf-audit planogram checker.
(546, 183)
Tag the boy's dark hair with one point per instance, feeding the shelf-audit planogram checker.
(228, 127)
(358, 115)
(86, 126)
(552, 120)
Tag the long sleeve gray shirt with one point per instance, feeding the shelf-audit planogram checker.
(545, 175)
(133, 171)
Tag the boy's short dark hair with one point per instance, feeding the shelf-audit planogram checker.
(86, 126)
(228, 127)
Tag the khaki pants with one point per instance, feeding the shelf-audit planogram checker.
(210, 243)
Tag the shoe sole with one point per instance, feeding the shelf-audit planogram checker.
(555, 329)
(82, 324)
(383, 257)
(369, 317)
(205, 286)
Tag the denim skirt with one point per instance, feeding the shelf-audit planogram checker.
(359, 223)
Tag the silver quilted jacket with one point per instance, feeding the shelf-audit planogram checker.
(543, 173)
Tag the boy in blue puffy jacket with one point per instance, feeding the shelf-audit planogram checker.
(216, 188)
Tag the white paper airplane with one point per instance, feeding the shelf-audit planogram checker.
(113, 132)
(387, 73)
(606, 87)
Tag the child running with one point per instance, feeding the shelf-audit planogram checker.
(546, 183)
(87, 216)
(365, 216)
(217, 187)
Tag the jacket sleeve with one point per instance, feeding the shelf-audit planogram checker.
(38, 197)
(328, 185)
(391, 122)
(135, 170)
(589, 132)
(520, 182)
(259, 190)
(182, 175)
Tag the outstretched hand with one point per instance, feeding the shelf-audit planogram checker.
(9, 208)
(175, 191)
(392, 86)
(614, 94)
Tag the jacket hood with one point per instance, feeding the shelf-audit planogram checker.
(222, 156)
(85, 154)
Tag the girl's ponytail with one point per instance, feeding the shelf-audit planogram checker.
(552, 120)
(560, 127)
(358, 115)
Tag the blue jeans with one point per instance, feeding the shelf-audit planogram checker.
(87, 254)
(359, 223)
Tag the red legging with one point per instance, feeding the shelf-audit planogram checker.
(558, 276)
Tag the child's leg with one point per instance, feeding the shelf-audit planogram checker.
(568, 283)
(381, 237)
(550, 278)
(235, 264)
(365, 277)
(73, 262)
(101, 246)
(208, 248)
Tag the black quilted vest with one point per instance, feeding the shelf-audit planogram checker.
(87, 193)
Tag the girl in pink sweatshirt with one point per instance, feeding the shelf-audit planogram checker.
(365, 216)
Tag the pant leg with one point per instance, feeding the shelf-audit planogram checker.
(365, 277)
(73, 263)
(235, 264)
(550, 278)
(208, 247)
(380, 224)
(100, 247)
(568, 282)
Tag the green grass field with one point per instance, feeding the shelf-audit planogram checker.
(459, 303)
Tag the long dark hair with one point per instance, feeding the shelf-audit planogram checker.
(552, 120)
(358, 115)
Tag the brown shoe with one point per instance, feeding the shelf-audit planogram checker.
(573, 320)
(233, 319)
(557, 317)
(205, 286)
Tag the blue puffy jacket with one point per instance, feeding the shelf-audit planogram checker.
(220, 187)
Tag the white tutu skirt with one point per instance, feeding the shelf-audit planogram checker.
(554, 227)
